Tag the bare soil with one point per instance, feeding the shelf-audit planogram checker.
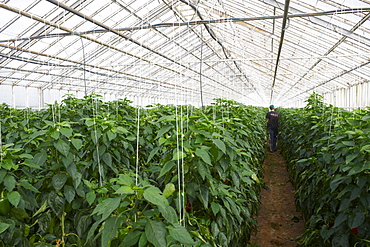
(279, 224)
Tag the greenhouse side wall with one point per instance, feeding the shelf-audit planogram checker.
(37, 98)
(351, 97)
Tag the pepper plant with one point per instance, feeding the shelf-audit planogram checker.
(328, 152)
(92, 173)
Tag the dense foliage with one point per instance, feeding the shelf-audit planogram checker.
(328, 150)
(93, 173)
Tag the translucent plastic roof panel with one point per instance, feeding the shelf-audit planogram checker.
(238, 49)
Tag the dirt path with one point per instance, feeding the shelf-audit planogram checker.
(279, 224)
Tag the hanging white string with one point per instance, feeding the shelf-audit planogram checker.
(330, 125)
(137, 146)
(95, 111)
(180, 201)
(138, 115)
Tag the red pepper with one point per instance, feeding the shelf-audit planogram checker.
(354, 230)
(188, 206)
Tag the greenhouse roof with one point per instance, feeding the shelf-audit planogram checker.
(256, 52)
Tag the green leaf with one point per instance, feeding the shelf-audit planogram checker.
(2, 175)
(350, 157)
(67, 132)
(19, 213)
(111, 135)
(36, 134)
(344, 205)
(3, 227)
(59, 181)
(93, 228)
(153, 195)
(89, 122)
(152, 153)
(82, 224)
(55, 134)
(178, 155)
(156, 233)
(204, 195)
(131, 238)
(69, 193)
(215, 207)
(168, 213)
(160, 142)
(143, 241)
(180, 234)
(167, 167)
(202, 169)
(164, 129)
(338, 179)
(358, 220)
(234, 209)
(106, 207)
(215, 229)
(327, 157)
(122, 130)
(126, 190)
(90, 197)
(110, 230)
(40, 158)
(96, 135)
(42, 208)
(349, 143)
(62, 146)
(107, 158)
(366, 148)
(220, 144)
(28, 186)
(14, 197)
(123, 179)
(77, 143)
(29, 163)
(366, 118)
(168, 190)
(77, 178)
(56, 203)
(202, 153)
(10, 182)
(340, 219)
(26, 156)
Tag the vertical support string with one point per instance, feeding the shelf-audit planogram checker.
(179, 184)
(100, 168)
(84, 67)
(137, 147)
(200, 66)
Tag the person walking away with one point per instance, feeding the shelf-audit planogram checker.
(272, 119)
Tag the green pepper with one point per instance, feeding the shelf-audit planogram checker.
(4, 206)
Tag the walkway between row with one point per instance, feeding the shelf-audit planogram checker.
(279, 224)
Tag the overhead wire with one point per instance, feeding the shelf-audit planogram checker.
(189, 23)
(283, 28)
(330, 50)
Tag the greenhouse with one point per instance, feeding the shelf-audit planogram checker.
(143, 123)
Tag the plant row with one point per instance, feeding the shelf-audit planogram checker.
(328, 150)
(93, 173)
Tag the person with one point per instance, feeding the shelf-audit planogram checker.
(272, 119)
